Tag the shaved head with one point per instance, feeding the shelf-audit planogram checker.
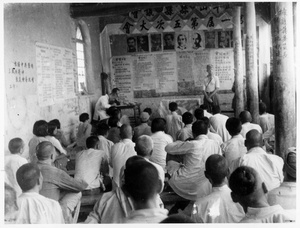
(144, 146)
(126, 131)
(245, 117)
(253, 139)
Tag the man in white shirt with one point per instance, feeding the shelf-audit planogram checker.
(91, 164)
(285, 194)
(186, 132)
(266, 120)
(269, 166)
(234, 147)
(33, 207)
(218, 206)
(104, 103)
(188, 177)
(218, 122)
(160, 140)
(211, 135)
(174, 121)
(120, 152)
(249, 190)
(143, 186)
(246, 119)
(13, 162)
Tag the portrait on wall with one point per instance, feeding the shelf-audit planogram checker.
(197, 40)
(181, 41)
(210, 40)
(169, 41)
(131, 44)
(142, 43)
(225, 39)
(117, 46)
(156, 44)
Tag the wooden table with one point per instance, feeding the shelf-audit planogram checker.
(136, 110)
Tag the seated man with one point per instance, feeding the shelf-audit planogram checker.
(186, 132)
(218, 123)
(266, 120)
(33, 207)
(234, 147)
(188, 177)
(173, 121)
(91, 166)
(143, 128)
(11, 209)
(285, 194)
(246, 119)
(57, 184)
(120, 152)
(211, 135)
(268, 166)
(13, 162)
(143, 186)
(218, 206)
(114, 206)
(250, 191)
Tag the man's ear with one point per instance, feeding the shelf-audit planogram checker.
(245, 143)
(151, 152)
(264, 187)
(234, 197)
(206, 174)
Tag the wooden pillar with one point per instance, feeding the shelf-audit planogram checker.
(238, 62)
(284, 75)
(251, 61)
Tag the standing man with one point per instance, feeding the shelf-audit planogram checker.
(210, 89)
(104, 103)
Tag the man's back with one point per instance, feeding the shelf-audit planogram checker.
(112, 207)
(120, 152)
(173, 124)
(37, 209)
(268, 166)
(214, 136)
(217, 207)
(218, 125)
(266, 121)
(248, 127)
(12, 163)
(87, 166)
(185, 133)
(142, 129)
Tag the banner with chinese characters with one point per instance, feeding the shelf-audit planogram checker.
(55, 74)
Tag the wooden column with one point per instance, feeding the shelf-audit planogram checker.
(284, 75)
(238, 62)
(251, 61)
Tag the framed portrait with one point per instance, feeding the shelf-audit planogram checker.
(156, 42)
(182, 41)
(131, 44)
(210, 39)
(225, 39)
(142, 43)
(168, 41)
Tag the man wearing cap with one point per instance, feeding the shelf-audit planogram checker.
(143, 128)
(285, 194)
(57, 184)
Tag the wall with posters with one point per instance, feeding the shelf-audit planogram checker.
(39, 69)
(166, 52)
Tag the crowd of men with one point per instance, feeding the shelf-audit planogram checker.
(224, 168)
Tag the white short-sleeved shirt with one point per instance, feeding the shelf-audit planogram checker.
(248, 127)
(210, 85)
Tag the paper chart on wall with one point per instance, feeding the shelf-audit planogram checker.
(55, 77)
(201, 59)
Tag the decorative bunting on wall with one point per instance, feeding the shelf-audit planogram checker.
(127, 26)
(149, 13)
(160, 23)
(169, 11)
(183, 10)
(226, 20)
(143, 25)
(194, 22)
(204, 10)
(177, 23)
(135, 15)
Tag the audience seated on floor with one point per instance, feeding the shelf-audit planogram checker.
(177, 218)
(186, 132)
(114, 130)
(143, 186)
(268, 166)
(149, 111)
(285, 194)
(11, 209)
(211, 135)
(57, 184)
(120, 152)
(91, 165)
(250, 191)
(217, 207)
(13, 162)
(173, 121)
(205, 109)
(33, 207)
(84, 130)
(234, 147)
(114, 206)
(266, 120)
(40, 131)
(218, 123)
(199, 113)
(246, 119)
(143, 128)
(59, 133)
(160, 140)
(187, 178)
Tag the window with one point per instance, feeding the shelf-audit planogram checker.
(81, 68)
